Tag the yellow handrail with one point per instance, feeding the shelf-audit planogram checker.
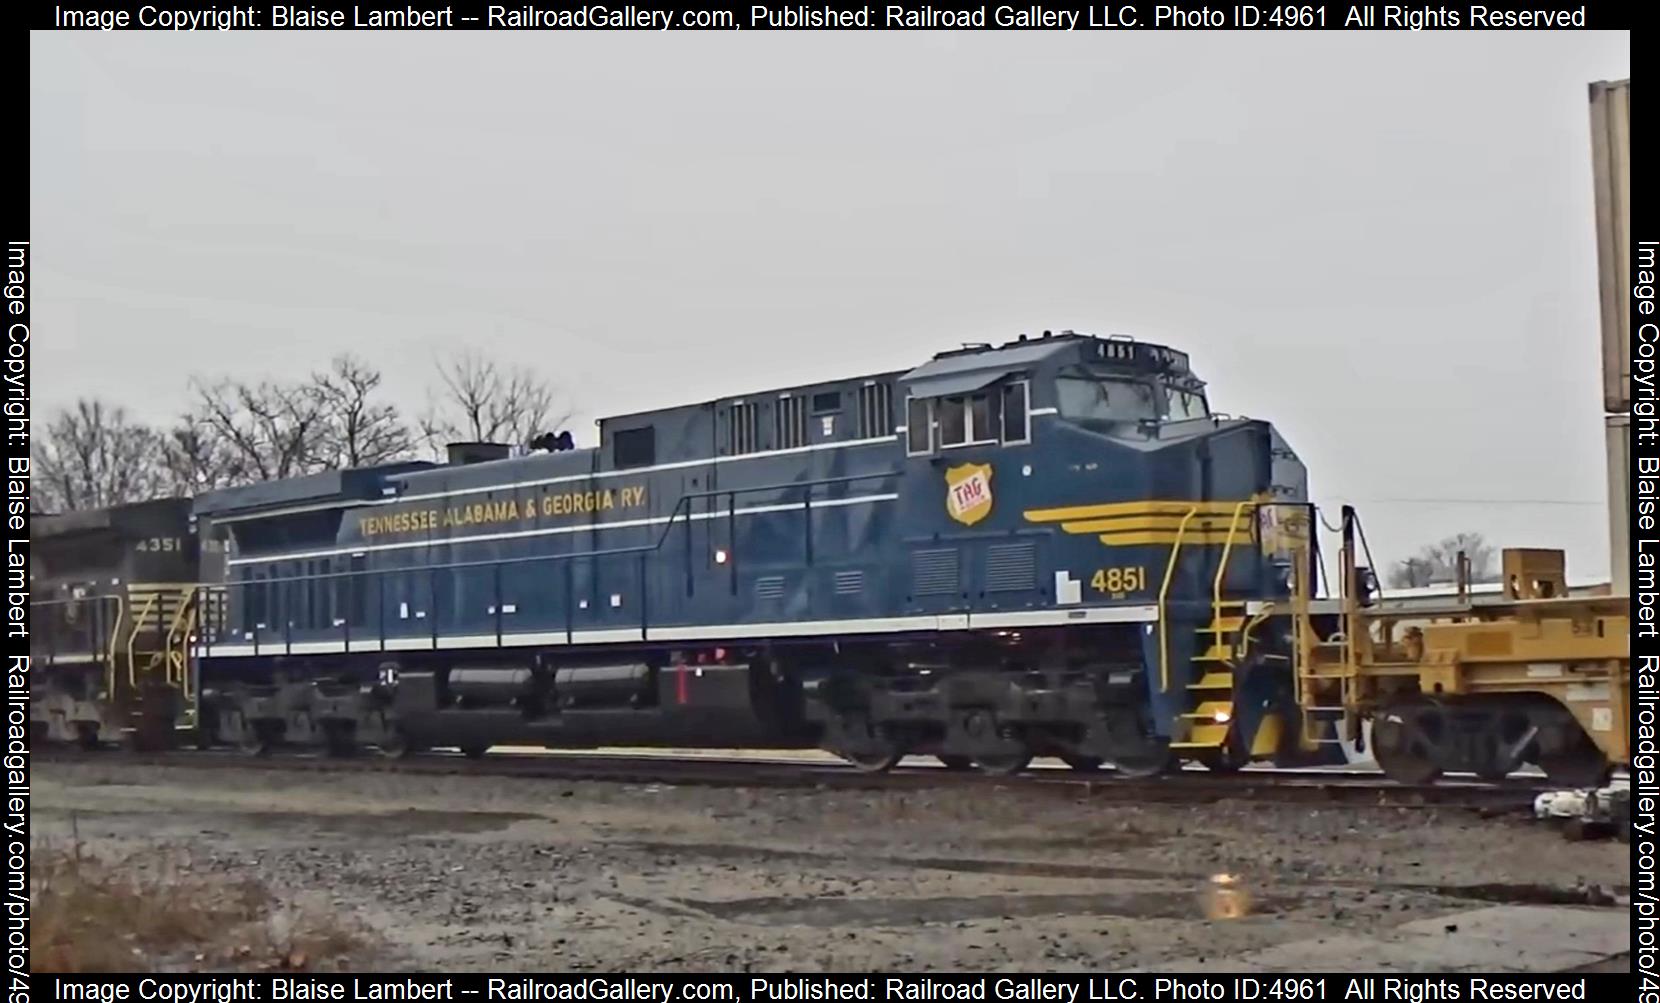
(132, 639)
(1164, 592)
(183, 617)
(1227, 554)
(115, 629)
(1255, 622)
(183, 621)
(1301, 626)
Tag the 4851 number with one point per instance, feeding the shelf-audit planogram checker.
(1119, 581)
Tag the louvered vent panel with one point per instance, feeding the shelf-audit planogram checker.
(1011, 567)
(850, 583)
(771, 587)
(934, 572)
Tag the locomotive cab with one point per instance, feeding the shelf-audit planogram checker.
(983, 395)
(1085, 481)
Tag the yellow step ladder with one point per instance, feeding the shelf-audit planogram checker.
(1209, 723)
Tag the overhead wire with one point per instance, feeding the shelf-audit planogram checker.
(1473, 501)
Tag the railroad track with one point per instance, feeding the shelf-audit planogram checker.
(1347, 788)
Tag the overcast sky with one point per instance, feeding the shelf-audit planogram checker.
(1382, 242)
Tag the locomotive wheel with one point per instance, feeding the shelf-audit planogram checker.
(1153, 759)
(1083, 764)
(258, 738)
(340, 739)
(398, 746)
(1131, 745)
(254, 740)
(867, 748)
(1005, 765)
(957, 764)
(474, 751)
(1404, 743)
(873, 761)
(86, 735)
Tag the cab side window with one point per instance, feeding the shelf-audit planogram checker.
(953, 419)
(919, 426)
(1001, 414)
(973, 419)
(1016, 423)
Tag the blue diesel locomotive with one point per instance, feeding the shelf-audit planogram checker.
(1051, 547)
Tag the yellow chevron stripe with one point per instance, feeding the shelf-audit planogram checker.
(1189, 539)
(1198, 524)
(1115, 509)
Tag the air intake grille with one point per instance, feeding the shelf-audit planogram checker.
(935, 572)
(1011, 567)
(850, 583)
(771, 587)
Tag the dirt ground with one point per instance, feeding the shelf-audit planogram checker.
(471, 873)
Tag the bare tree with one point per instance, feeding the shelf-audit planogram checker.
(271, 430)
(1438, 562)
(1412, 573)
(1474, 546)
(360, 431)
(194, 458)
(92, 456)
(479, 400)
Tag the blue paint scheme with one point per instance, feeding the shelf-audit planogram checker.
(849, 528)
(1166, 704)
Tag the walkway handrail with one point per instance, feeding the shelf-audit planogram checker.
(681, 513)
(1227, 555)
(683, 505)
(132, 640)
(1164, 594)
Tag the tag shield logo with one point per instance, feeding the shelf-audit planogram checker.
(968, 492)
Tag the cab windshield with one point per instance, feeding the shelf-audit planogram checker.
(1084, 399)
(1184, 404)
(1110, 399)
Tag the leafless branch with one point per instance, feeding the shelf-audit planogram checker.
(360, 431)
(92, 455)
(1438, 563)
(195, 459)
(479, 400)
(273, 431)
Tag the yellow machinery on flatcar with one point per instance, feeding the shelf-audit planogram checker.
(1535, 676)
